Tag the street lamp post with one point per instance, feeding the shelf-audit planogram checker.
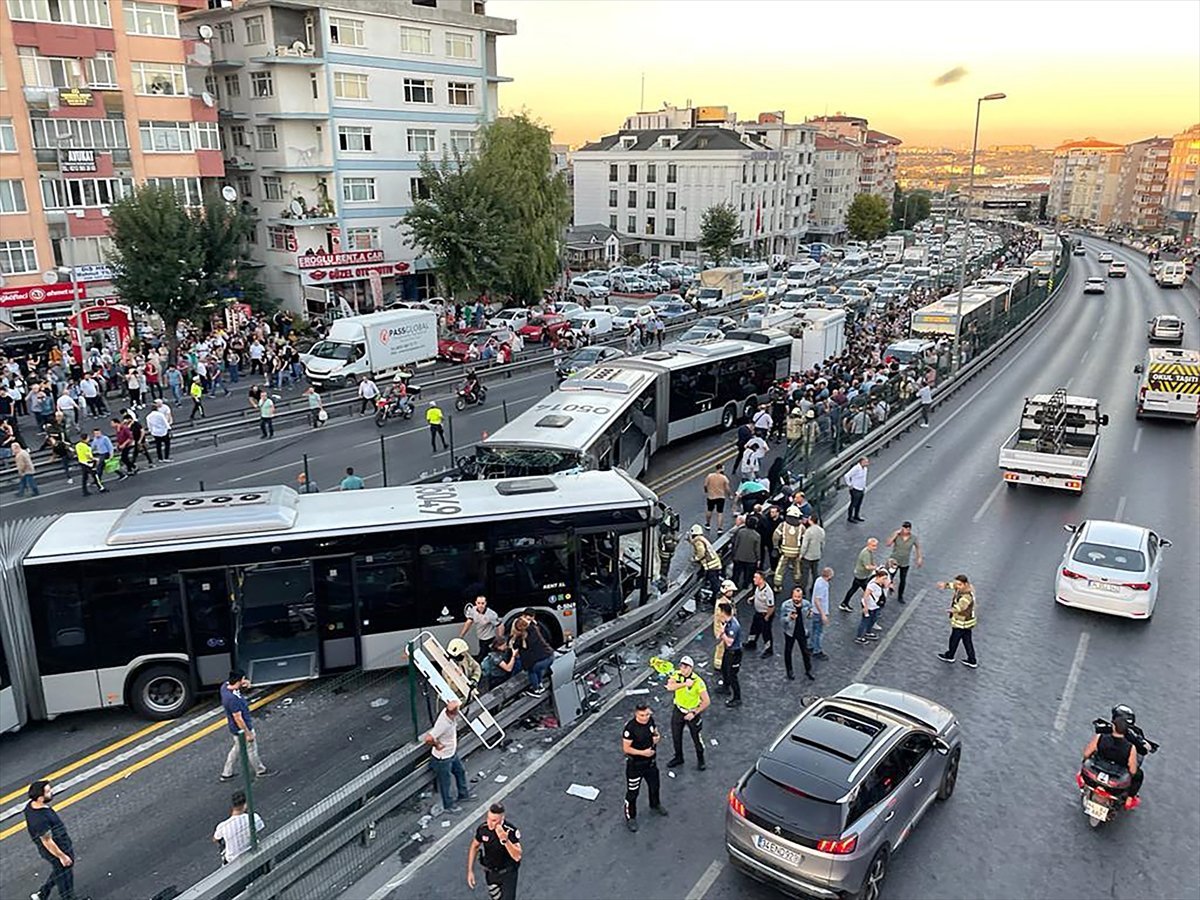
(683, 249)
(962, 256)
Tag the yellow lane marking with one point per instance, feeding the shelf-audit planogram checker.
(153, 758)
(91, 757)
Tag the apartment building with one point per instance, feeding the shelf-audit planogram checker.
(95, 97)
(877, 169)
(326, 109)
(1142, 184)
(837, 180)
(1182, 206)
(1084, 180)
(652, 180)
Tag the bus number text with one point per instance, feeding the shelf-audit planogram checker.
(438, 501)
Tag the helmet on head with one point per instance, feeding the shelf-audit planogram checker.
(1121, 711)
(728, 587)
(457, 647)
(696, 530)
(793, 511)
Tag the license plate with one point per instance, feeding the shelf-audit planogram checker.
(1096, 810)
(785, 853)
(1104, 586)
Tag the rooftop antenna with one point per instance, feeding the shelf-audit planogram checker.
(642, 102)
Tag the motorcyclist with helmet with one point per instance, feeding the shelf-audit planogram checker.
(1122, 745)
(470, 388)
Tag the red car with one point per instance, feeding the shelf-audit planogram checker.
(458, 347)
(544, 327)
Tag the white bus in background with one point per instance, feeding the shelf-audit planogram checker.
(618, 414)
(149, 605)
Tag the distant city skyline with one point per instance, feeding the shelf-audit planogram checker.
(1121, 71)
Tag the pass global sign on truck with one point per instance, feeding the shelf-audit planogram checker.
(375, 345)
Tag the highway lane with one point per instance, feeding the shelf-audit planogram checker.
(1013, 828)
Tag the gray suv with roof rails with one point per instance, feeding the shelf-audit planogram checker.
(840, 790)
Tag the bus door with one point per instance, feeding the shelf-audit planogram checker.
(276, 637)
(210, 623)
(333, 585)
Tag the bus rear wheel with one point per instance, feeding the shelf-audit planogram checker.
(161, 692)
(728, 418)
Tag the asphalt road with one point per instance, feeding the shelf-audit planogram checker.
(1012, 829)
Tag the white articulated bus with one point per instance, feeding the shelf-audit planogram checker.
(619, 413)
(149, 605)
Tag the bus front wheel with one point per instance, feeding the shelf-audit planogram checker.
(728, 418)
(161, 692)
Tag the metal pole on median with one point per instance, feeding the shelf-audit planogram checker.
(307, 477)
(201, 486)
(383, 459)
(412, 692)
(504, 406)
(248, 780)
(450, 422)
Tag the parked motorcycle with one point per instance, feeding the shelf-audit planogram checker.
(465, 398)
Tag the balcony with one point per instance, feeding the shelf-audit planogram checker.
(240, 162)
(290, 56)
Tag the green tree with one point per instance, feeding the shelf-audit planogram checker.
(459, 225)
(720, 226)
(909, 208)
(515, 169)
(174, 261)
(868, 218)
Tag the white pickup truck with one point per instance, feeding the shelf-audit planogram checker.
(1056, 442)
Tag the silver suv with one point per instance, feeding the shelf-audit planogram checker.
(840, 790)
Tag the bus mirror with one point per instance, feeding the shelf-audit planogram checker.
(1137, 370)
(1104, 419)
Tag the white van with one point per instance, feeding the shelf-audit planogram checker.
(1170, 384)
(599, 323)
(805, 273)
(1171, 274)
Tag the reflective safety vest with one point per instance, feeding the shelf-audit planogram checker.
(704, 553)
(433, 415)
(962, 611)
(688, 698)
(788, 537)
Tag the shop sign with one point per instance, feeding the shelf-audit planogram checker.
(34, 294)
(338, 260)
(75, 97)
(73, 162)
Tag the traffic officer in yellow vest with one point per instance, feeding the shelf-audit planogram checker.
(788, 535)
(433, 418)
(708, 558)
(691, 700)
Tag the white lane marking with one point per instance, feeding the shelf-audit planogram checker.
(1085, 355)
(1070, 381)
(1095, 334)
(121, 758)
(419, 428)
(287, 465)
(471, 819)
(865, 669)
(1120, 509)
(948, 418)
(1137, 440)
(1064, 707)
(989, 501)
(700, 888)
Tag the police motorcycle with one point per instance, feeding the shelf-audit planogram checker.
(399, 402)
(1106, 786)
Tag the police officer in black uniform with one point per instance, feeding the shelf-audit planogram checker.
(639, 743)
(498, 844)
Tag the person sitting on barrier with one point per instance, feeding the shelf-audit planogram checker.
(501, 663)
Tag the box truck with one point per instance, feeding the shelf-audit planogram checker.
(816, 336)
(376, 345)
(720, 287)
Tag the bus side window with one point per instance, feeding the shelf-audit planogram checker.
(60, 621)
(135, 609)
(387, 586)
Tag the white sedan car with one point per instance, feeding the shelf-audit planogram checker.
(1105, 257)
(1112, 568)
(1095, 285)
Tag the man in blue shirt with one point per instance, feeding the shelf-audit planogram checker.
(102, 448)
(237, 716)
(352, 482)
(731, 662)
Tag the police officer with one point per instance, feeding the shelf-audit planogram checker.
(498, 844)
(639, 743)
(787, 539)
(691, 700)
(706, 555)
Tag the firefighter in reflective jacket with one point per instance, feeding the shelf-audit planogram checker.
(709, 560)
(787, 539)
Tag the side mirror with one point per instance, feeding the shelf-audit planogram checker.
(1137, 370)
(1164, 543)
(941, 746)
(1104, 419)
(1071, 528)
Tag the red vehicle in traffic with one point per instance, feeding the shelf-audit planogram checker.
(472, 345)
(544, 328)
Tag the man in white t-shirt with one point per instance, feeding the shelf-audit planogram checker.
(234, 833)
(872, 599)
(443, 738)
(487, 625)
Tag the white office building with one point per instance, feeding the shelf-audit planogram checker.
(326, 109)
(838, 170)
(652, 181)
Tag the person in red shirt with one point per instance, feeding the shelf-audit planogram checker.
(126, 446)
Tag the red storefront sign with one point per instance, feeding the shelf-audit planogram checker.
(34, 294)
(338, 260)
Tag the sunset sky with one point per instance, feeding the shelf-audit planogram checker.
(1120, 71)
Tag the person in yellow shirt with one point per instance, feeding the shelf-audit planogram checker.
(88, 470)
(434, 417)
(690, 695)
(196, 392)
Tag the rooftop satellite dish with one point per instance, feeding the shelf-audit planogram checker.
(50, 276)
(299, 46)
(206, 32)
(229, 192)
(296, 207)
(207, 99)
